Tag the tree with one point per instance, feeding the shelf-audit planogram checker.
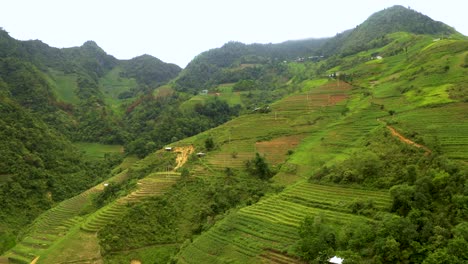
(441, 256)
(402, 198)
(259, 167)
(209, 144)
(318, 241)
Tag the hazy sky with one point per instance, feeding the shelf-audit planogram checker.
(177, 30)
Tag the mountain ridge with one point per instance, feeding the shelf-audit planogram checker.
(320, 125)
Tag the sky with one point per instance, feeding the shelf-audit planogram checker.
(176, 31)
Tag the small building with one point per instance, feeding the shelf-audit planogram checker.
(201, 154)
(106, 184)
(204, 92)
(336, 260)
(168, 148)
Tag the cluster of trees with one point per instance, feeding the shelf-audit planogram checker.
(149, 71)
(426, 222)
(259, 167)
(160, 121)
(383, 163)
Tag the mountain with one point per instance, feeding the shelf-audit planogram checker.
(235, 61)
(150, 71)
(295, 152)
(372, 32)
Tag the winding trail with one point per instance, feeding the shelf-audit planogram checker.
(408, 141)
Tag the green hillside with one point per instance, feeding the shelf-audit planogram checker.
(353, 146)
(358, 151)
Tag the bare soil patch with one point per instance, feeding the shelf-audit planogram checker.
(183, 154)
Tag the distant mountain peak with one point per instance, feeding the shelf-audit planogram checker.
(90, 43)
(390, 20)
(92, 47)
(399, 18)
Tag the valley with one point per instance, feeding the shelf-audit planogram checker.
(248, 155)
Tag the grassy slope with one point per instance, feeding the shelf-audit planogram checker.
(97, 150)
(252, 233)
(65, 86)
(112, 84)
(222, 91)
(328, 132)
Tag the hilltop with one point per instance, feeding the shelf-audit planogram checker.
(280, 153)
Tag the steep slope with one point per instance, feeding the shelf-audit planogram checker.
(417, 88)
(68, 231)
(282, 227)
(49, 97)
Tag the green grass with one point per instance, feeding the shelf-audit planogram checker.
(223, 92)
(97, 150)
(65, 86)
(227, 94)
(446, 129)
(112, 84)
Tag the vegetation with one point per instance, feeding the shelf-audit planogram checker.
(38, 167)
(177, 215)
(347, 146)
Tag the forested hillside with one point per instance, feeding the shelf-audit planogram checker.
(50, 98)
(351, 146)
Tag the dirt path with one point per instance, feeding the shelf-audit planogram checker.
(407, 141)
(183, 154)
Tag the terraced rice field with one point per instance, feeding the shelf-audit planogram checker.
(267, 230)
(272, 257)
(261, 233)
(314, 100)
(274, 133)
(448, 125)
(50, 227)
(67, 223)
(54, 225)
(153, 185)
